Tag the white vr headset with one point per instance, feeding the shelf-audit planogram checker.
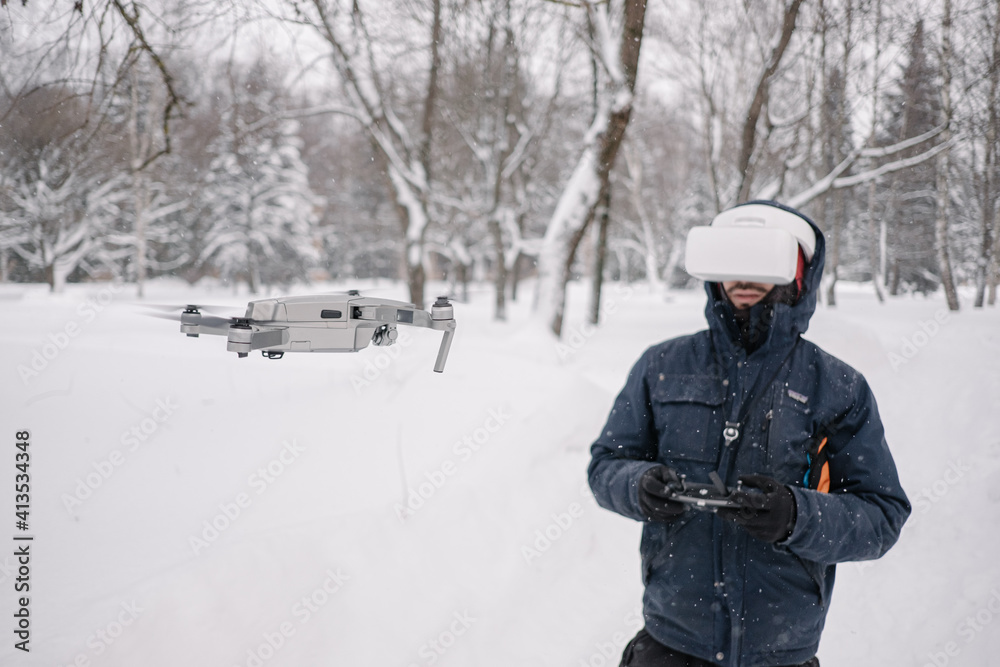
(755, 243)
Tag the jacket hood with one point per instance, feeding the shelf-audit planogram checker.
(788, 322)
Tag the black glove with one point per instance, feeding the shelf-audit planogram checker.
(768, 516)
(655, 494)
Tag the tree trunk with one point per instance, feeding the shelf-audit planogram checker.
(415, 277)
(141, 199)
(140, 148)
(253, 274)
(883, 251)
(749, 135)
(876, 233)
(505, 138)
(462, 280)
(673, 260)
(600, 255)
(943, 194)
(991, 293)
(565, 273)
(499, 272)
(986, 263)
(411, 211)
(583, 193)
(873, 247)
(832, 227)
(515, 275)
(406, 158)
(633, 163)
(50, 277)
(993, 266)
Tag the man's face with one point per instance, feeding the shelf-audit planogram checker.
(743, 294)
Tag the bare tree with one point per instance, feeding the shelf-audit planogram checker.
(93, 46)
(757, 104)
(943, 198)
(876, 225)
(403, 141)
(587, 186)
(499, 117)
(59, 215)
(986, 261)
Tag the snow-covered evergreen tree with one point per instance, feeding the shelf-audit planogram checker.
(915, 108)
(257, 194)
(56, 214)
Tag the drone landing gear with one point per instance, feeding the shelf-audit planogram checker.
(272, 354)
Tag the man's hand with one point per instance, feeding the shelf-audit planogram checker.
(768, 516)
(655, 494)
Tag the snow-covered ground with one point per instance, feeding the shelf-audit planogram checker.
(192, 508)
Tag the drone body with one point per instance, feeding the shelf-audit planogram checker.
(321, 323)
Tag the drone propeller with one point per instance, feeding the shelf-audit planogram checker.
(193, 322)
(211, 321)
(191, 307)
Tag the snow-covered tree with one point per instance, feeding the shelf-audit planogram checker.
(149, 209)
(389, 80)
(981, 105)
(497, 123)
(616, 55)
(260, 208)
(56, 215)
(914, 108)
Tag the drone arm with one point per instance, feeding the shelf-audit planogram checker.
(441, 318)
(194, 324)
(243, 339)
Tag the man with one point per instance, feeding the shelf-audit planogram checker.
(793, 433)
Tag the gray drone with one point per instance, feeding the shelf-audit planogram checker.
(321, 323)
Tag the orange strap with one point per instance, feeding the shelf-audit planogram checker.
(818, 477)
(824, 475)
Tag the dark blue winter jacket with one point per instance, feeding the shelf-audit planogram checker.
(712, 591)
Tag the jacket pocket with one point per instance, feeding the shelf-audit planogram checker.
(687, 410)
(785, 603)
(660, 540)
(817, 572)
(790, 436)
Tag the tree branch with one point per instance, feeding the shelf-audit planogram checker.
(760, 97)
(174, 99)
(831, 182)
